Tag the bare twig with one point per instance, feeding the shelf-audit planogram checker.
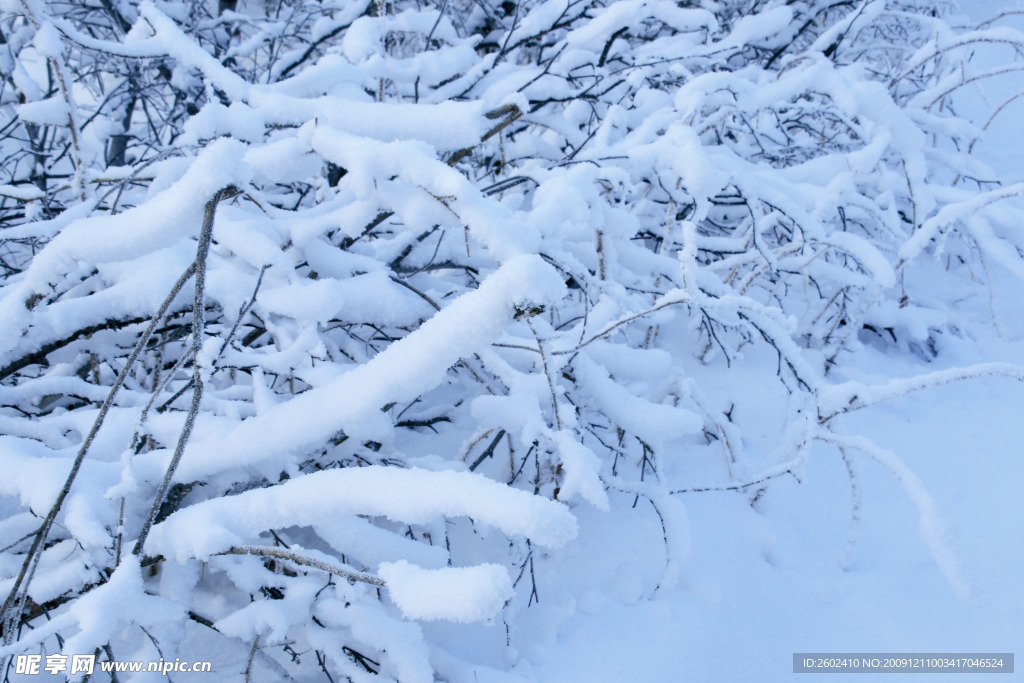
(198, 329)
(317, 563)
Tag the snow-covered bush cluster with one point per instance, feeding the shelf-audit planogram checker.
(319, 318)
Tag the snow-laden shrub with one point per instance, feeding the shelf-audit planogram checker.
(319, 318)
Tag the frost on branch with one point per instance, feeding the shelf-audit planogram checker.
(336, 311)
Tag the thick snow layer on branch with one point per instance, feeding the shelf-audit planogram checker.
(32, 473)
(188, 52)
(950, 215)
(758, 26)
(463, 594)
(621, 15)
(166, 218)
(411, 496)
(655, 423)
(49, 112)
(867, 255)
(401, 372)
(581, 468)
(444, 126)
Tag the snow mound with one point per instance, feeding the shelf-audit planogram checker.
(462, 594)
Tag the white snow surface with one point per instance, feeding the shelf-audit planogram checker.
(402, 495)
(462, 594)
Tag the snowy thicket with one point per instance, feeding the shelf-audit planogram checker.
(319, 318)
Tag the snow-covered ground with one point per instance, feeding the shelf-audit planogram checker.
(766, 581)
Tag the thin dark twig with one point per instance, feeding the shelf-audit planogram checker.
(198, 330)
(243, 310)
(488, 452)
